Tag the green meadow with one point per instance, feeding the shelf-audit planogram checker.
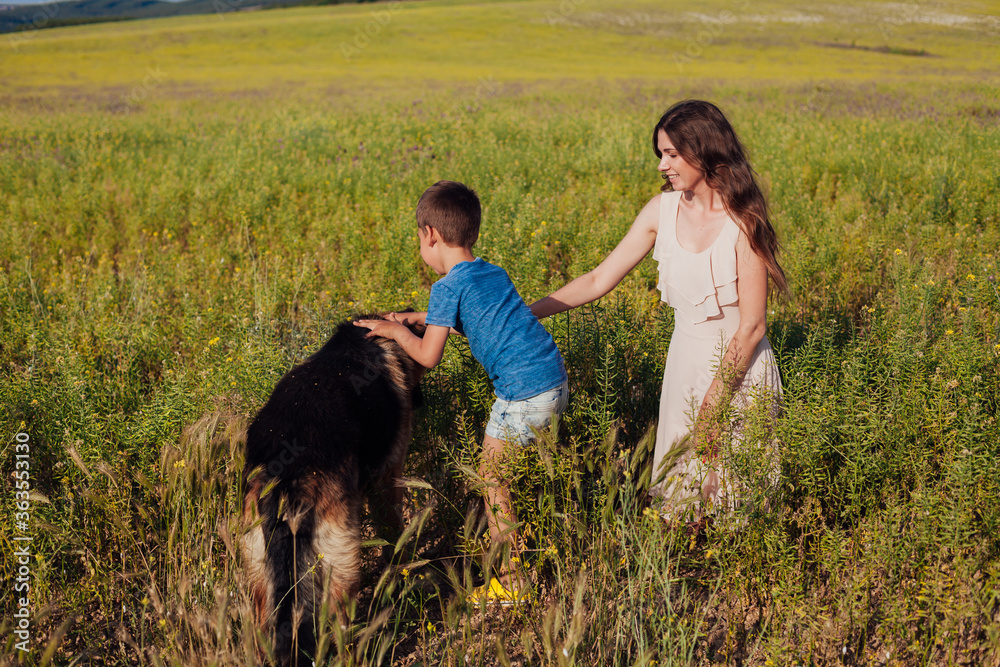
(191, 205)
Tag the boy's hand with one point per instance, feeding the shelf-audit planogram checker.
(407, 318)
(426, 351)
(382, 328)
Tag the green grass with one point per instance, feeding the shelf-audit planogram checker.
(165, 260)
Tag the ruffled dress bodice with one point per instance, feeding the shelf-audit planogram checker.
(697, 285)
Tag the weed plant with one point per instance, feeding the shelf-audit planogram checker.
(160, 270)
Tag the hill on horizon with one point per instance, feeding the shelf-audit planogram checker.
(76, 12)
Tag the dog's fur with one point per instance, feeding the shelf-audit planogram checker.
(335, 427)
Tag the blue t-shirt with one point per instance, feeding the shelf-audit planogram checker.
(518, 353)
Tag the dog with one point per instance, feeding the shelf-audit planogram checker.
(335, 429)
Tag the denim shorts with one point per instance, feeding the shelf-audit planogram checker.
(513, 420)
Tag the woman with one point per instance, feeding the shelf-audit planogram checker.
(710, 233)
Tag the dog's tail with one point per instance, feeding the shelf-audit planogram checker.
(306, 548)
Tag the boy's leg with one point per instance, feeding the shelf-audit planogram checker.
(516, 419)
(499, 511)
(500, 516)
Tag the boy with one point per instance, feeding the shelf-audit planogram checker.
(478, 300)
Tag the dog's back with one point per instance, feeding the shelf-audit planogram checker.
(333, 426)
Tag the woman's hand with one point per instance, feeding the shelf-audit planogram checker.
(707, 438)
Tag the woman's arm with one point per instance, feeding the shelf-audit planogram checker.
(751, 287)
(601, 280)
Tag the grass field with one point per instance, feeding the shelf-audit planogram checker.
(190, 205)
(430, 46)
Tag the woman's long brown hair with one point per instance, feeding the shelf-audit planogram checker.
(705, 139)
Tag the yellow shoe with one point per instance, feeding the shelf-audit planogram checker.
(495, 593)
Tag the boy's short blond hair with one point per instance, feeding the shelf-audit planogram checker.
(453, 209)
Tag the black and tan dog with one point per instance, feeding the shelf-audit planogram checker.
(336, 428)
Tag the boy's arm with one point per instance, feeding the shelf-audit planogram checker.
(426, 351)
(415, 318)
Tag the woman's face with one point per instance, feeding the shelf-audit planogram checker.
(681, 174)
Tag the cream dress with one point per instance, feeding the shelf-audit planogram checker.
(701, 288)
